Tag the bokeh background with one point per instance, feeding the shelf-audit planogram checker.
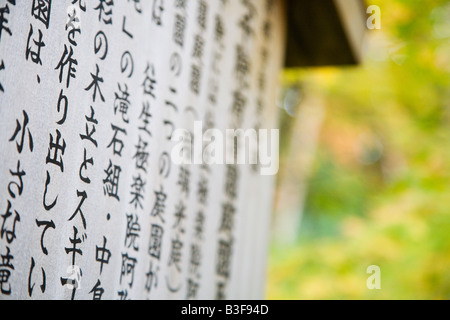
(365, 166)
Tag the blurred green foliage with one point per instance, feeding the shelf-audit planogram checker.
(380, 190)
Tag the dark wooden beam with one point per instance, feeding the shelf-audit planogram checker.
(324, 32)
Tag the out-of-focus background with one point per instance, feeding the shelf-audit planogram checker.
(365, 166)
